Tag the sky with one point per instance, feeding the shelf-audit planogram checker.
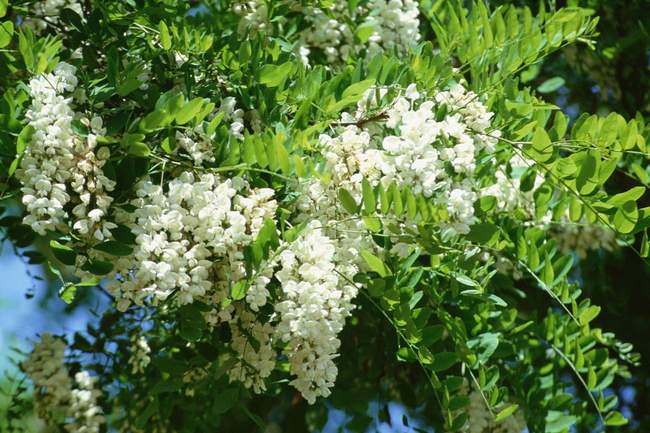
(21, 319)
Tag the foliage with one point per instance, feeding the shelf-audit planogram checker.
(465, 277)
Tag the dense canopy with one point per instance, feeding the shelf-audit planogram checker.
(290, 208)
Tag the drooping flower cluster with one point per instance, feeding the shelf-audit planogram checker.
(252, 344)
(52, 387)
(87, 415)
(58, 400)
(190, 239)
(316, 302)
(60, 167)
(435, 157)
(329, 32)
(338, 32)
(139, 358)
(395, 24)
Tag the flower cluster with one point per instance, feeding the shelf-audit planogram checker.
(316, 302)
(253, 13)
(59, 166)
(233, 115)
(46, 13)
(58, 400)
(252, 344)
(139, 358)
(583, 237)
(52, 387)
(432, 156)
(199, 150)
(190, 239)
(87, 415)
(329, 32)
(392, 25)
(395, 24)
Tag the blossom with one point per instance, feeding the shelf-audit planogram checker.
(190, 240)
(57, 398)
(252, 344)
(59, 167)
(432, 157)
(87, 416)
(52, 385)
(139, 358)
(316, 300)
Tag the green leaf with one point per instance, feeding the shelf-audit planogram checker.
(165, 39)
(3, 7)
(98, 267)
(431, 334)
(24, 138)
(542, 148)
(6, 33)
(63, 253)
(189, 111)
(632, 194)
(551, 85)
(139, 149)
(67, 292)
(364, 32)
(467, 281)
(216, 120)
(505, 413)
(615, 419)
(127, 86)
(274, 75)
(369, 201)
(589, 314)
(558, 422)
(372, 223)
(483, 233)
(484, 345)
(357, 89)
(114, 248)
(347, 201)
(282, 156)
(155, 120)
(444, 360)
(375, 263)
(626, 217)
(238, 290)
(592, 379)
(548, 274)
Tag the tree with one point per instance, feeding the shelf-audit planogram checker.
(297, 202)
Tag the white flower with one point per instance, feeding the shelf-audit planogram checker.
(255, 359)
(59, 166)
(190, 241)
(54, 393)
(87, 416)
(139, 358)
(316, 302)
